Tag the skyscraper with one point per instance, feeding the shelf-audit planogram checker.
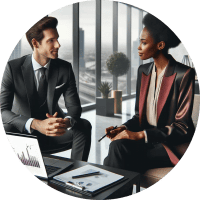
(81, 48)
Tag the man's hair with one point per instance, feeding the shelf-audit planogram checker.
(160, 32)
(36, 31)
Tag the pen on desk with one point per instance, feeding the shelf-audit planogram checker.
(85, 175)
(106, 134)
(75, 185)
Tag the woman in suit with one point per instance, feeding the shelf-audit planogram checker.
(164, 102)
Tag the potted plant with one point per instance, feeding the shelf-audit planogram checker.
(105, 105)
(105, 89)
(117, 64)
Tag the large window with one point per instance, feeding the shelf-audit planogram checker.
(134, 49)
(122, 37)
(87, 43)
(87, 65)
(106, 39)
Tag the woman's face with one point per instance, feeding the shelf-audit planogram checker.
(147, 48)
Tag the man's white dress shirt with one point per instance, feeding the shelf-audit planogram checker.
(36, 69)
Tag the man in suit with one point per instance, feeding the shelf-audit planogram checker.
(31, 88)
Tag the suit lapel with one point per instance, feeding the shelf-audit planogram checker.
(52, 80)
(28, 75)
(145, 81)
(166, 85)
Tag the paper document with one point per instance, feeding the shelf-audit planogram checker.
(91, 183)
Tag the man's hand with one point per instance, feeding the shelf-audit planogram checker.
(50, 127)
(112, 133)
(126, 134)
(66, 120)
(52, 116)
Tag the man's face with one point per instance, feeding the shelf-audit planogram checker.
(48, 47)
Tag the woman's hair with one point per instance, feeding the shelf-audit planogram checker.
(160, 32)
(36, 31)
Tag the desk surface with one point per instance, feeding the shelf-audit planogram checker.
(113, 192)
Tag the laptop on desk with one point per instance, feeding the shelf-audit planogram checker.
(28, 151)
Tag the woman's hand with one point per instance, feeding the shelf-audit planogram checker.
(112, 133)
(126, 134)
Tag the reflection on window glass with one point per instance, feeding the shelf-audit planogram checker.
(87, 52)
(106, 39)
(134, 49)
(122, 37)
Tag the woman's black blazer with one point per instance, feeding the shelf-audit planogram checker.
(174, 107)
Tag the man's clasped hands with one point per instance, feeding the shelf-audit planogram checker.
(52, 126)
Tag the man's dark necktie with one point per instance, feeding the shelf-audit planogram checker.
(42, 89)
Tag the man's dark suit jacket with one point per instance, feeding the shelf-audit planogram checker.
(174, 107)
(19, 95)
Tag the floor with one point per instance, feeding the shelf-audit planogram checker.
(99, 150)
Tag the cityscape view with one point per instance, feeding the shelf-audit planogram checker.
(87, 51)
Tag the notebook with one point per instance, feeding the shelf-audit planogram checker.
(90, 185)
(27, 149)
